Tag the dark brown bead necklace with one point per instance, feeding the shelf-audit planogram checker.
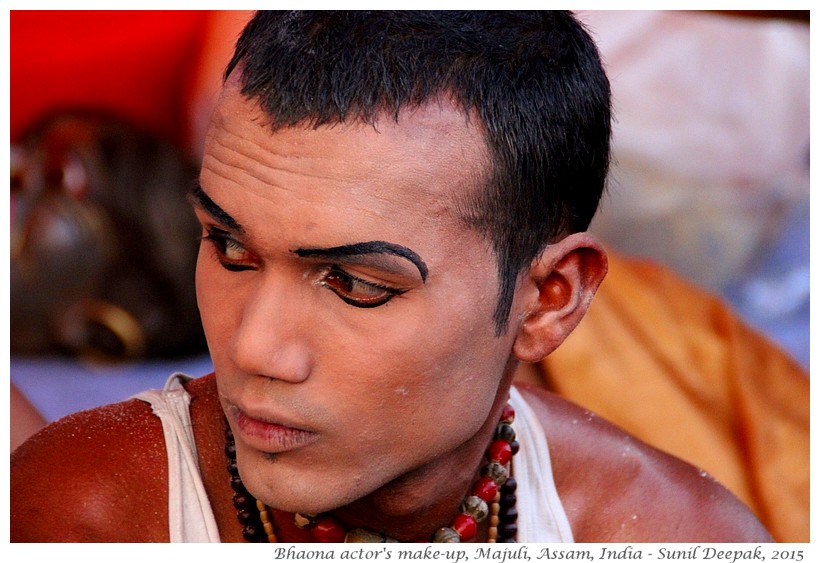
(253, 515)
(247, 511)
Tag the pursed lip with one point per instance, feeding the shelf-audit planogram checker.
(268, 434)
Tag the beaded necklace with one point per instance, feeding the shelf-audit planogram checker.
(491, 495)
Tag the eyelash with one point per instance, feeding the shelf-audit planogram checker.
(386, 293)
(335, 279)
(222, 241)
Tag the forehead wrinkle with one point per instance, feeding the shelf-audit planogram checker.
(222, 162)
(262, 163)
(261, 153)
(218, 166)
(443, 207)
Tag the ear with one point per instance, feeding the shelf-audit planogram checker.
(556, 293)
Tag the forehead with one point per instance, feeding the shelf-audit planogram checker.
(427, 159)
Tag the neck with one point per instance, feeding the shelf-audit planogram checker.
(413, 506)
(416, 504)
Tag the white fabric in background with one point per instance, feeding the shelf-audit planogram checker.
(710, 137)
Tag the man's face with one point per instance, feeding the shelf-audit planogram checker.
(348, 312)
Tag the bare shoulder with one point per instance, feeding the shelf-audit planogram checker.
(616, 488)
(98, 475)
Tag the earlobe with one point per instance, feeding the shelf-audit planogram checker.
(558, 290)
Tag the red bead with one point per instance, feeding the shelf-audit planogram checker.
(328, 530)
(500, 451)
(466, 526)
(508, 414)
(485, 489)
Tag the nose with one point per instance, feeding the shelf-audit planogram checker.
(270, 339)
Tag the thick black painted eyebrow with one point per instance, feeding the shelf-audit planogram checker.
(370, 247)
(197, 196)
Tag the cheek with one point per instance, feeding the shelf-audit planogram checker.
(428, 388)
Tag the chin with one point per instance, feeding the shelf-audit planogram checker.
(291, 489)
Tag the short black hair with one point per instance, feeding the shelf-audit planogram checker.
(534, 78)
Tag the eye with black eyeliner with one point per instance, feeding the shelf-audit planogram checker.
(356, 291)
(229, 252)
